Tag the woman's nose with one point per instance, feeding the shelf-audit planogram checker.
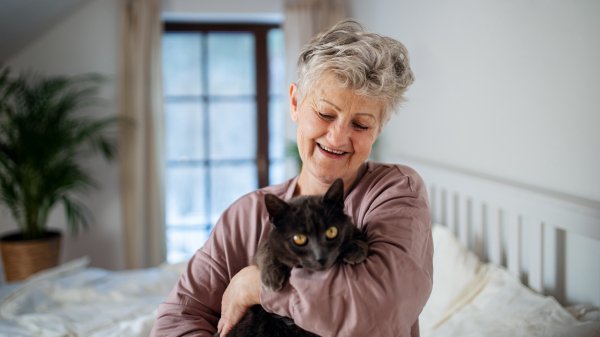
(338, 135)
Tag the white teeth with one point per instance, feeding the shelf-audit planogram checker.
(330, 150)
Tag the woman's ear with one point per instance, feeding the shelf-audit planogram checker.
(293, 102)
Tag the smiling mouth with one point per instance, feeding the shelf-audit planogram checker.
(326, 149)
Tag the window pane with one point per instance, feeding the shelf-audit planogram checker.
(276, 50)
(185, 196)
(184, 130)
(229, 183)
(277, 115)
(277, 172)
(231, 64)
(181, 64)
(182, 243)
(232, 130)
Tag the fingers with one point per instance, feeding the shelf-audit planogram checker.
(231, 318)
(242, 293)
(224, 302)
(220, 325)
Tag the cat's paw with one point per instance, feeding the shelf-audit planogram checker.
(272, 280)
(356, 252)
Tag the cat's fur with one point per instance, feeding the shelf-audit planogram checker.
(311, 216)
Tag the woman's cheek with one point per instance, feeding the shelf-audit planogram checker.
(303, 144)
(314, 123)
(366, 142)
(373, 137)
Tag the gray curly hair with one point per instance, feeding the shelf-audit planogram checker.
(366, 63)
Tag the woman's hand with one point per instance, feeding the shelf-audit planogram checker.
(242, 293)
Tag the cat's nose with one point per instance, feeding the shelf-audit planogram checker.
(322, 261)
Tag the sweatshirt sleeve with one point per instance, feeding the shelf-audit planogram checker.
(194, 305)
(384, 295)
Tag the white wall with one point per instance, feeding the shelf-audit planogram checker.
(86, 41)
(503, 88)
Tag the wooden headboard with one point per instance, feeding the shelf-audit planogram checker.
(550, 240)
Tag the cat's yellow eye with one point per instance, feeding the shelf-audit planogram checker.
(331, 233)
(300, 239)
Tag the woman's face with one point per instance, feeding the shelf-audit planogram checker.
(336, 130)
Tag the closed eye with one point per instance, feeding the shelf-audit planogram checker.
(325, 117)
(330, 118)
(361, 127)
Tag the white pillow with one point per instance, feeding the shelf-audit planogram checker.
(458, 275)
(470, 298)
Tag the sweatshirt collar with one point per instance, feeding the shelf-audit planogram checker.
(360, 174)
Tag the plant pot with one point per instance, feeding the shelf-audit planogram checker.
(22, 258)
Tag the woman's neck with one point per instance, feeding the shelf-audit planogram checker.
(308, 184)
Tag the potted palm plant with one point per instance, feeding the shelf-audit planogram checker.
(43, 138)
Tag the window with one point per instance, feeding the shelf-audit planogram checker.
(224, 93)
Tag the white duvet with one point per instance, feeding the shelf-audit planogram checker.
(73, 300)
(469, 298)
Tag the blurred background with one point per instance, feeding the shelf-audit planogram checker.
(504, 89)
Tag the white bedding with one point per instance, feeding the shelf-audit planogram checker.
(469, 298)
(73, 300)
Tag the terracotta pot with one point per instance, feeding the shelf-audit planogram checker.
(22, 258)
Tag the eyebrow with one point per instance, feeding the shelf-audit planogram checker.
(333, 105)
(338, 109)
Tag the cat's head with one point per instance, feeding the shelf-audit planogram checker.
(309, 231)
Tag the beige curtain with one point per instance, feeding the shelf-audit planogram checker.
(303, 20)
(142, 149)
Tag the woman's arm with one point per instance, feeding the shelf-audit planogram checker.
(382, 296)
(191, 308)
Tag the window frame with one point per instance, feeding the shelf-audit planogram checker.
(260, 31)
(263, 98)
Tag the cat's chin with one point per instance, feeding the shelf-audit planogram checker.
(320, 268)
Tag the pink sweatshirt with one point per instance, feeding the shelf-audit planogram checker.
(381, 297)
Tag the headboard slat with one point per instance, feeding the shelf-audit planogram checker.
(463, 220)
(513, 221)
(449, 207)
(438, 212)
(478, 228)
(494, 233)
(536, 263)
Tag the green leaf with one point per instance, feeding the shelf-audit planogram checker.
(77, 214)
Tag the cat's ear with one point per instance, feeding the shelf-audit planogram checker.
(275, 206)
(335, 193)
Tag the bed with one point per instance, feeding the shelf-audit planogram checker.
(509, 261)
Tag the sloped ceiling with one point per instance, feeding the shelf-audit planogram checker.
(22, 21)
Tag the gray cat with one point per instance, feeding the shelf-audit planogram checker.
(310, 232)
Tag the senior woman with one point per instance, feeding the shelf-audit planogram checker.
(349, 82)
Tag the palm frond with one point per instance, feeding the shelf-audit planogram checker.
(77, 214)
